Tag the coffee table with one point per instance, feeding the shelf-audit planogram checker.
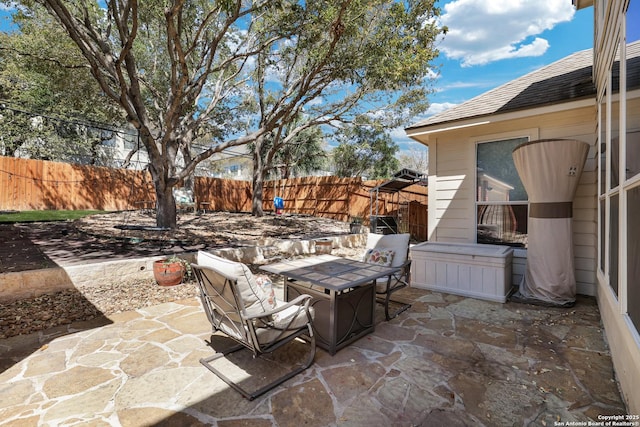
(343, 295)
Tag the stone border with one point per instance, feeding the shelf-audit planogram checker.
(31, 283)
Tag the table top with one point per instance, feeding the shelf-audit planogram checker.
(330, 272)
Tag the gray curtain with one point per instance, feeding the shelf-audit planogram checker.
(550, 171)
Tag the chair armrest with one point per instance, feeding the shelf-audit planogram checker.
(306, 299)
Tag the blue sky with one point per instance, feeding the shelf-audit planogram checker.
(491, 42)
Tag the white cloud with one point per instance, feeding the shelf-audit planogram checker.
(434, 108)
(9, 7)
(438, 107)
(399, 136)
(318, 100)
(482, 31)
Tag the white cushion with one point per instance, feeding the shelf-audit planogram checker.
(291, 319)
(254, 297)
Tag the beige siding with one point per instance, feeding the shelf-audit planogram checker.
(454, 192)
(585, 212)
(453, 181)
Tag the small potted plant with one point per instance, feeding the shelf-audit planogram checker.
(355, 226)
(171, 271)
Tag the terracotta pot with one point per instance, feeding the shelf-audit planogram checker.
(168, 273)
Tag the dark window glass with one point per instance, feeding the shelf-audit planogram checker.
(603, 147)
(502, 224)
(614, 162)
(602, 235)
(633, 256)
(498, 179)
(633, 154)
(613, 248)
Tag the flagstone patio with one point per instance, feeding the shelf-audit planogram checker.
(449, 361)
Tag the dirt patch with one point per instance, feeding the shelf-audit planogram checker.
(43, 312)
(126, 235)
(221, 229)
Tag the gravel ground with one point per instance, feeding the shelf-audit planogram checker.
(31, 315)
(105, 232)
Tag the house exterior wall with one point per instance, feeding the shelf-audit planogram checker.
(452, 182)
(606, 229)
(616, 109)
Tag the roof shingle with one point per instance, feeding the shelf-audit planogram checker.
(567, 79)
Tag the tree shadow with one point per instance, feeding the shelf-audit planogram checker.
(23, 262)
(19, 347)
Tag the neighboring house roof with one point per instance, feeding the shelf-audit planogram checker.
(568, 79)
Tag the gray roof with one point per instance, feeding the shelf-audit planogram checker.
(567, 79)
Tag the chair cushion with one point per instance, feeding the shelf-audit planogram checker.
(292, 317)
(382, 257)
(254, 297)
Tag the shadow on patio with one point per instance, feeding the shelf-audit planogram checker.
(449, 360)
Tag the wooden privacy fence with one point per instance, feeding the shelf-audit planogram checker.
(38, 185)
(27, 184)
(337, 198)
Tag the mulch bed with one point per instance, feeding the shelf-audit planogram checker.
(28, 244)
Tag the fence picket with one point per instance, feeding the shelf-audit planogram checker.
(27, 184)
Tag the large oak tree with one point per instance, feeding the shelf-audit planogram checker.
(193, 77)
(177, 69)
(346, 63)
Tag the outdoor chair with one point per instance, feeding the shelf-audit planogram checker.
(393, 250)
(242, 308)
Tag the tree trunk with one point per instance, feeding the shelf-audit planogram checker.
(166, 208)
(257, 182)
(165, 202)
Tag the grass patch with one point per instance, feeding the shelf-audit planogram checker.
(42, 216)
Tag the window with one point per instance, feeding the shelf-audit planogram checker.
(619, 176)
(501, 198)
(233, 169)
(603, 145)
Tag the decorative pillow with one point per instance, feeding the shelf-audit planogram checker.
(382, 257)
(267, 287)
(254, 297)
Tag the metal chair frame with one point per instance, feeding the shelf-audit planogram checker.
(395, 282)
(226, 312)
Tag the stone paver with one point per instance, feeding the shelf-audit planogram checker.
(447, 361)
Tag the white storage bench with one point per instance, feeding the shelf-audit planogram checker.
(471, 270)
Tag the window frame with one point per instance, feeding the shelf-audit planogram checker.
(528, 134)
